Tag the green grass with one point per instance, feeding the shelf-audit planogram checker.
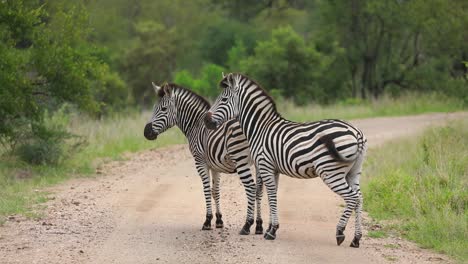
(422, 185)
(409, 104)
(377, 234)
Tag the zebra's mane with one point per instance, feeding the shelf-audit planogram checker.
(225, 81)
(174, 87)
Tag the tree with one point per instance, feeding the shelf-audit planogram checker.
(388, 42)
(46, 61)
(296, 68)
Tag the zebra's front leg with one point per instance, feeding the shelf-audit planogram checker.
(216, 196)
(270, 180)
(249, 185)
(205, 177)
(276, 184)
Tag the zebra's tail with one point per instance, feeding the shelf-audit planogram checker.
(327, 140)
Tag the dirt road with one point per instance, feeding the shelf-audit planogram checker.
(150, 208)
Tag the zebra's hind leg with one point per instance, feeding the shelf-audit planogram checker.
(338, 184)
(216, 195)
(205, 177)
(352, 179)
(259, 194)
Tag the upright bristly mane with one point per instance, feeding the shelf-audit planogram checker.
(175, 87)
(229, 78)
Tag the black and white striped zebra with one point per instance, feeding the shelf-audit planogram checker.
(330, 149)
(224, 150)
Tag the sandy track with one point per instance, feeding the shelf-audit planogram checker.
(150, 209)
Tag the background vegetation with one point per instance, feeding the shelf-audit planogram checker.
(421, 185)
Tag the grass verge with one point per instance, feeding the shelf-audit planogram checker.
(409, 104)
(422, 185)
(108, 139)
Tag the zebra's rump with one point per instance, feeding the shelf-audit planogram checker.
(302, 152)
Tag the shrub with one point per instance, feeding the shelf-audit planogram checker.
(48, 142)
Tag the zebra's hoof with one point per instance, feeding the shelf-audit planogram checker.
(340, 237)
(271, 233)
(244, 232)
(258, 230)
(259, 227)
(219, 224)
(269, 236)
(268, 229)
(246, 228)
(355, 243)
(206, 227)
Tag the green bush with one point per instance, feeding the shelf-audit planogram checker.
(206, 85)
(49, 142)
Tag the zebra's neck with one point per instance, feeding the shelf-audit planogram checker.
(190, 112)
(257, 112)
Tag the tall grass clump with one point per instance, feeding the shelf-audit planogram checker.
(422, 185)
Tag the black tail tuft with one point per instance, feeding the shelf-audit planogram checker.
(327, 140)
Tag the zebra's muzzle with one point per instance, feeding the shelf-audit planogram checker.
(149, 133)
(209, 123)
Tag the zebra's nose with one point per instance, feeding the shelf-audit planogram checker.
(209, 123)
(149, 133)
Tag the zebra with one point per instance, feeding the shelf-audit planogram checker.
(330, 149)
(224, 150)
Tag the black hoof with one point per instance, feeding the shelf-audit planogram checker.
(206, 227)
(269, 236)
(207, 224)
(259, 227)
(246, 228)
(268, 229)
(355, 242)
(271, 233)
(340, 237)
(258, 230)
(219, 221)
(244, 232)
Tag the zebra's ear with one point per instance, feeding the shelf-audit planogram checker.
(222, 74)
(156, 88)
(167, 89)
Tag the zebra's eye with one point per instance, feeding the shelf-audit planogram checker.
(164, 109)
(224, 99)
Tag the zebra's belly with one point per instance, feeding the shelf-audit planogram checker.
(301, 172)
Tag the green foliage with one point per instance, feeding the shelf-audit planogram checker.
(423, 184)
(288, 63)
(46, 61)
(150, 59)
(206, 85)
(407, 45)
(49, 142)
(218, 39)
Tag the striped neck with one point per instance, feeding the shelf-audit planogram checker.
(191, 109)
(256, 111)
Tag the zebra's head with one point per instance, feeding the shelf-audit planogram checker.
(226, 106)
(164, 113)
